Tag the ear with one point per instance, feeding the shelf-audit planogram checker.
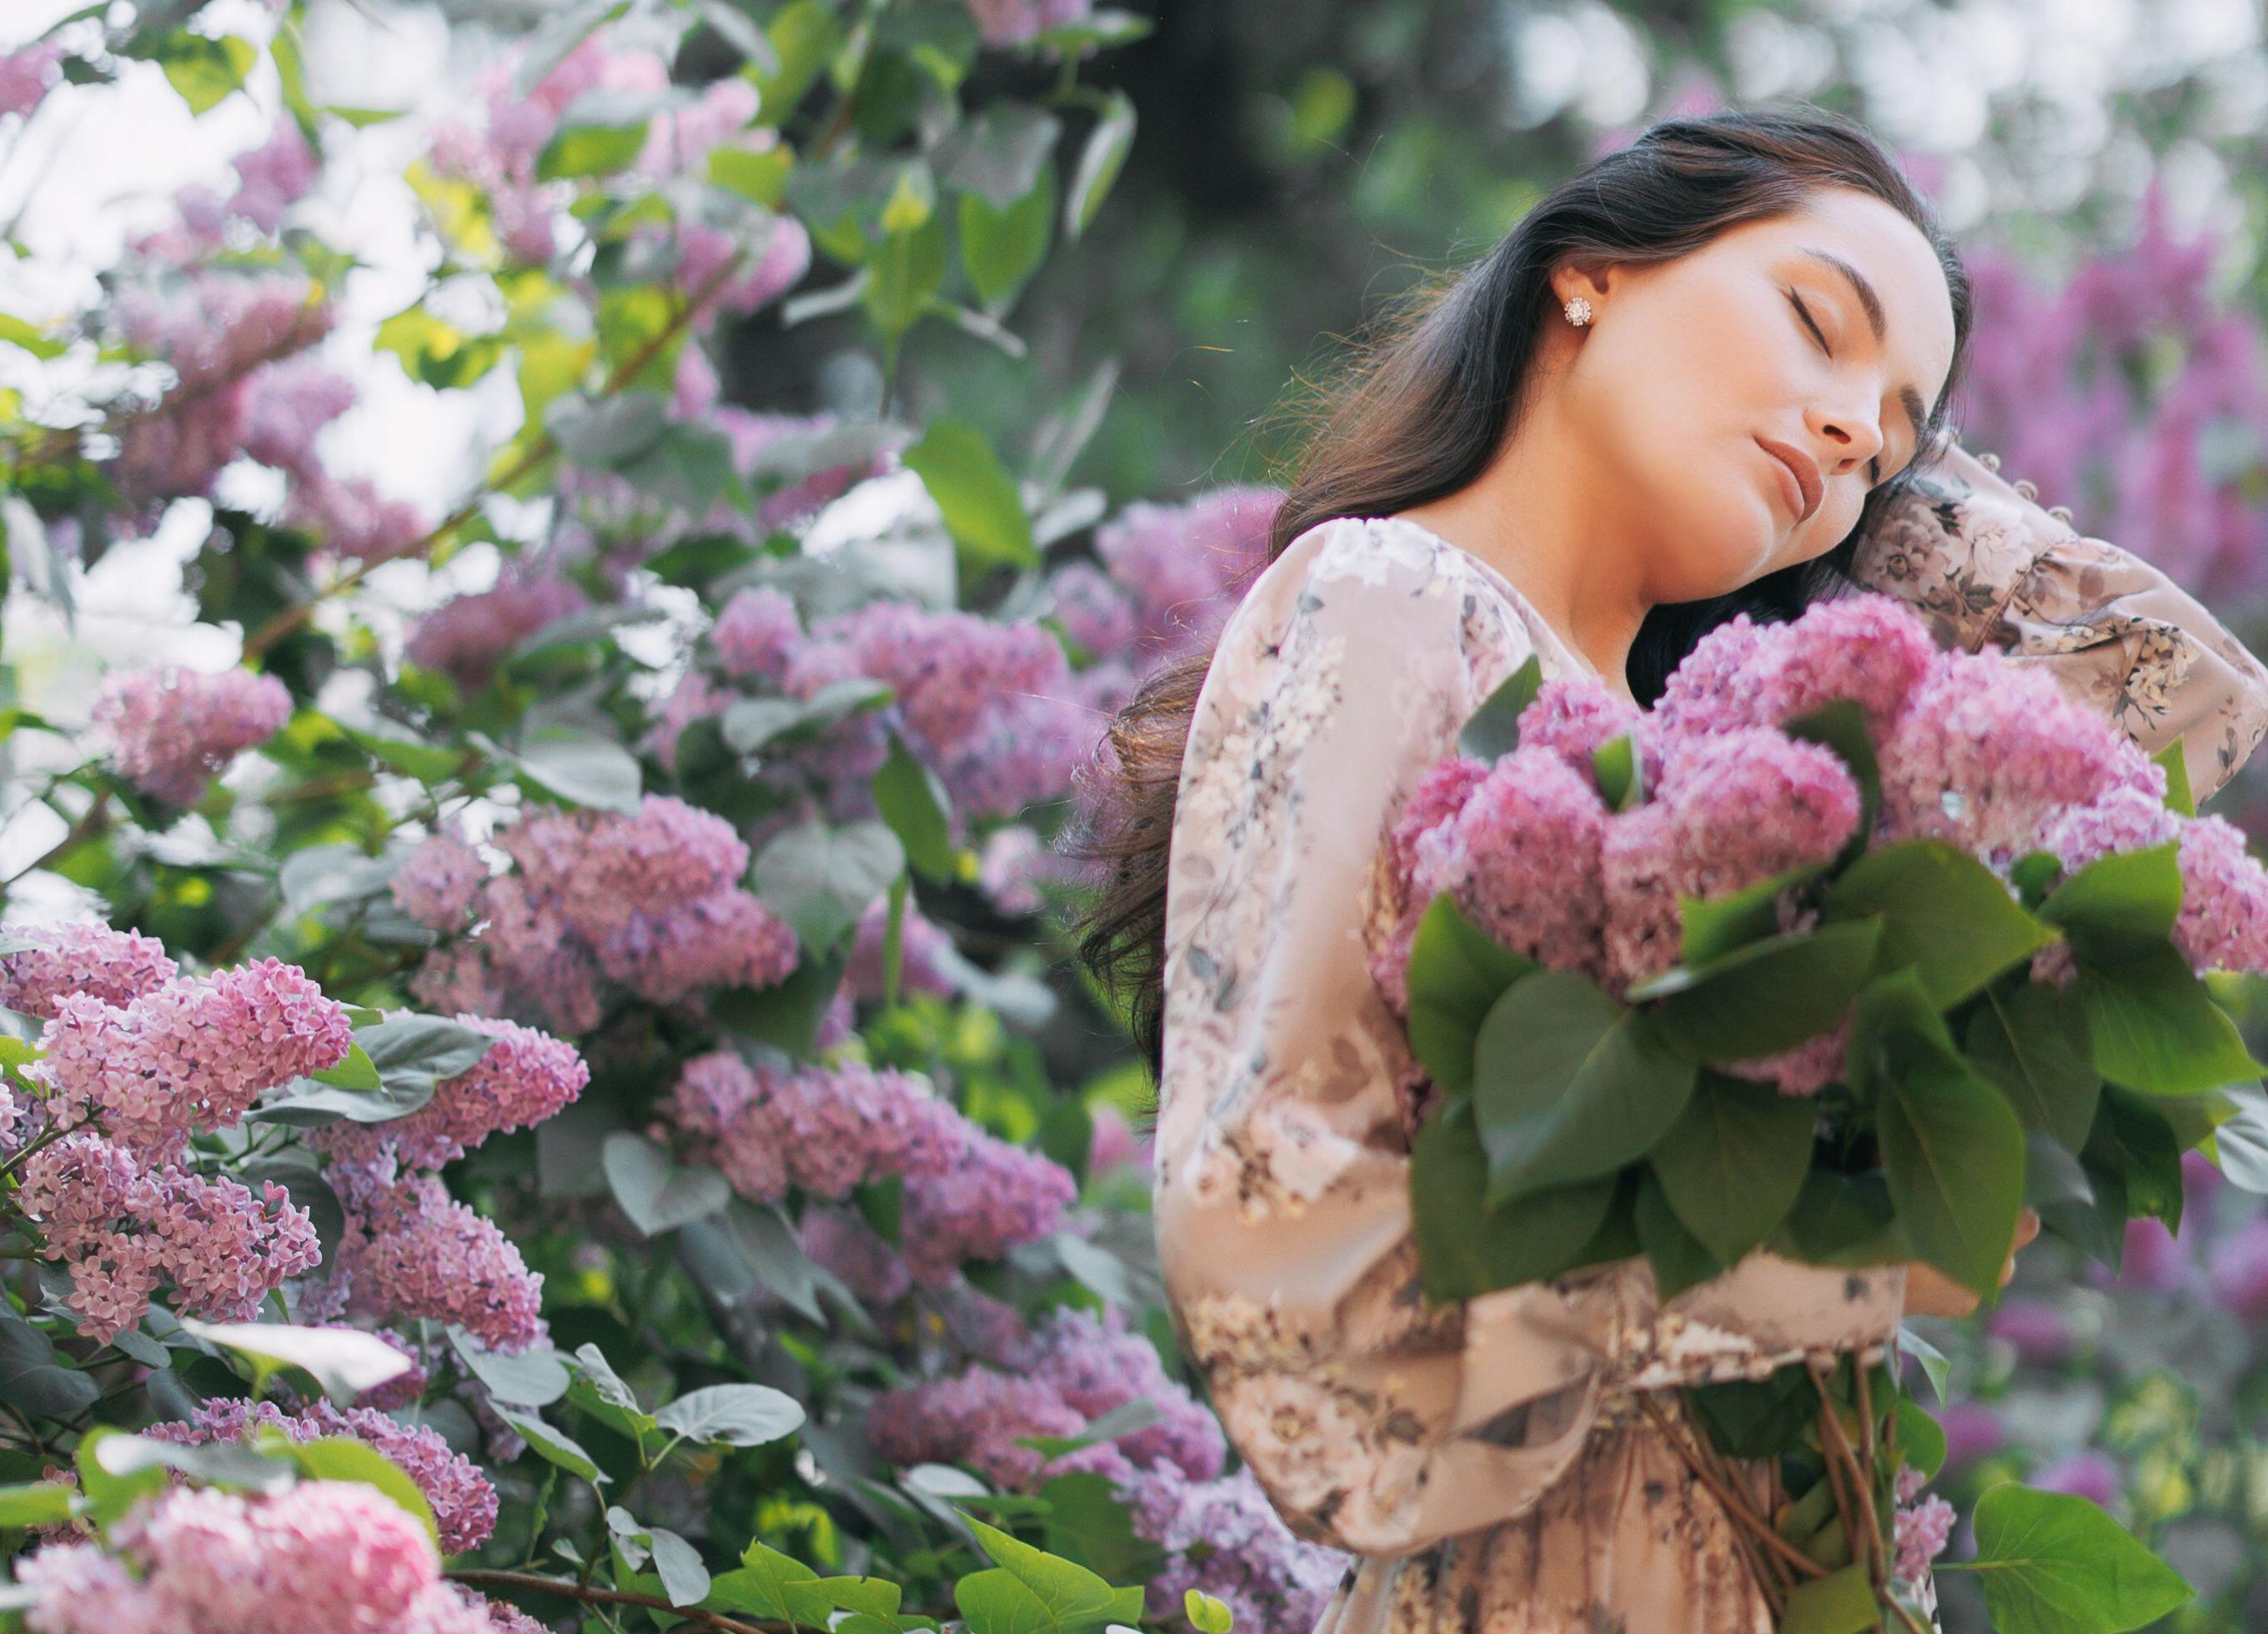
(1589, 278)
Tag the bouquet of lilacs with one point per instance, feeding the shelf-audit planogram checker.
(1849, 949)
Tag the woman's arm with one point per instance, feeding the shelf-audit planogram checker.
(1987, 564)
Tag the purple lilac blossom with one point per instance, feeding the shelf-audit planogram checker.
(414, 1251)
(467, 637)
(524, 1078)
(464, 1502)
(439, 882)
(116, 967)
(28, 75)
(173, 730)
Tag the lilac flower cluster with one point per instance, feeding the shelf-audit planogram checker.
(1017, 22)
(464, 638)
(464, 1502)
(1973, 749)
(969, 1194)
(1220, 1534)
(1920, 1526)
(411, 1250)
(172, 730)
(28, 75)
(107, 1181)
(646, 901)
(525, 1077)
(198, 1560)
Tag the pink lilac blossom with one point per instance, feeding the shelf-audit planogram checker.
(1096, 1366)
(996, 1196)
(824, 1129)
(1226, 1539)
(467, 637)
(172, 731)
(1093, 609)
(2224, 919)
(1113, 1142)
(2238, 1271)
(842, 1243)
(1522, 857)
(2085, 1474)
(1700, 836)
(439, 882)
(976, 1418)
(116, 967)
(1187, 565)
(1018, 22)
(464, 1502)
(525, 1077)
(1870, 647)
(2038, 1329)
(194, 1054)
(199, 1560)
(351, 518)
(291, 402)
(28, 75)
(728, 938)
(415, 1251)
(1921, 1532)
(601, 869)
(755, 634)
(274, 176)
(1574, 717)
(694, 698)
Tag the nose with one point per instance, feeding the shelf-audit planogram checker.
(1852, 436)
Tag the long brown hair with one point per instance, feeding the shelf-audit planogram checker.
(1423, 407)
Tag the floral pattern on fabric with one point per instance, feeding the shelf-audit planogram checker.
(1483, 1459)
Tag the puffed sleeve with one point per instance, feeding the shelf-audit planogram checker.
(1377, 1422)
(1987, 564)
(1283, 1171)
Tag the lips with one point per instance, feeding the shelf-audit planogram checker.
(1802, 469)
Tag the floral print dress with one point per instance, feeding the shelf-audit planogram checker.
(1487, 1461)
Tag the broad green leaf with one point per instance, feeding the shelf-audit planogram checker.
(903, 275)
(40, 1503)
(436, 352)
(1954, 1154)
(1768, 997)
(1029, 1583)
(2132, 1141)
(1842, 1602)
(1734, 1161)
(552, 1445)
(355, 1072)
(820, 878)
(1001, 154)
(578, 767)
(607, 432)
(1756, 1418)
(1715, 927)
(654, 1190)
(115, 1469)
(982, 509)
(1679, 1259)
(600, 1391)
(2051, 1562)
(2175, 758)
(912, 798)
(1100, 161)
(1620, 773)
(534, 1378)
(2032, 1044)
(1205, 1613)
(2153, 1027)
(1920, 1438)
(2121, 897)
(1465, 1249)
(1456, 971)
(1003, 246)
(1492, 731)
(739, 1414)
(1942, 911)
(202, 69)
(305, 1104)
(343, 1361)
(759, 177)
(1844, 1220)
(1569, 1084)
(431, 1046)
(1936, 1366)
(2240, 1144)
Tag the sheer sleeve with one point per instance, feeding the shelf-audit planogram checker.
(1377, 1422)
(1986, 563)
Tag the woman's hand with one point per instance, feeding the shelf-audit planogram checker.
(1931, 1292)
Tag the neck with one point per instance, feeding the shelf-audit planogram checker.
(1544, 516)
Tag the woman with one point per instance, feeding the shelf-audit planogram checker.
(1708, 374)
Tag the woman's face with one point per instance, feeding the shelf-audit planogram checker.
(1689, 369)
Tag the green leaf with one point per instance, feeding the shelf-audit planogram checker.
(594, 149)
(2051, 1562)
(578, 766)
(1492, 731)
(1920, 1438)
(1715, 927)
(1100, 161)
(912, 798)
(654, 1190)
(982, 511)
(905, 274)
(2153, 1027)
(1464, 1248)
(203, 70)
(2120, 898)
(1954, 1154)
(2174, 759)
(115, 1469)
(1943, 911)
(436, 352)
(430, 1046)
(344, 1362)
(774, 1585)
(819, 880)
(1620, 773)
(1456, 971)
(2133, 1142)
(357, 1072)
(1844, 1220)
(1003, 246)
(534, 1378)
(1679, 1259)
(598, 1390)
(606, 433)
(1205, 1613)
(739, 1414)
(2032, 1044)
(307, 1105)
(1569, 1084)
(1733, 1163)
(760, 178)
(1842, 1602)
(553, 1447)
(1756, 1418)
(1936, 1366)
(41, 1502)
(1768, 997)
(1031, 1589)
(343, 1458)
(2239, 1145)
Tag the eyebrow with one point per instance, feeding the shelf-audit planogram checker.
(1909, 398)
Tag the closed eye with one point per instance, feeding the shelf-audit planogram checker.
(1875, 465)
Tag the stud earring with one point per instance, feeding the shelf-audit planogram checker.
(1578, 311)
